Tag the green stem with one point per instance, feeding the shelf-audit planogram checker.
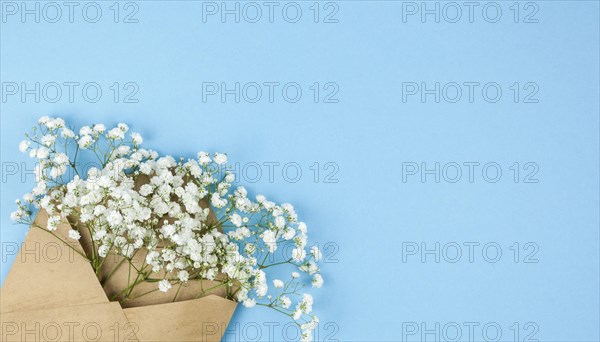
(177, 293)
(112, 271)
(277, 263)
(128, 288)
(143, 294)
(274, 308)
(209, 289)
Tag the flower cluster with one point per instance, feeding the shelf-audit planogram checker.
(187, 216)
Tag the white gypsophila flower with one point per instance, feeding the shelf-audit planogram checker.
(85, 141)
(249, 303)
(103, 250)
(270, 239)
(137, 138)
(17, 215)
(250, 249)
(52, 125)
(44, 120)
(114, 218)
(279, 222)
(67, 133)
(306, 336)
(310, 325)
(295, 275)
(146, 189)
(85, 130)
(42, 153)
(29, 198)
(122, 150)
(217, 201)
(55, 172)
(220, 158)
(48, 139)
(269, 205)
(302, 227)
(115, 134)
(300, 240)
(24, 145)
(99, 234)
(53, 222)
(285, 301)
(236, 219)
(316, 253)
(164, 285)
(61, 159)
(289, 233)
(73, 234)
(317, 281)
(123, 127)
(305, 306)
(146, 168)
(58, 123)
(298, 254)
(277, 283)
(40, 188)
(99, 128)
(183, 276)
(203, 158)
(312, 268)
(260, 283)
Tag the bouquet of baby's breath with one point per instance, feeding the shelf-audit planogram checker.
(184, 216)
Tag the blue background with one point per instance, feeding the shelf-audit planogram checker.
(367, 215)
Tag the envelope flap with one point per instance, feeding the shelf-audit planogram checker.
(47, 273)
(203, 319)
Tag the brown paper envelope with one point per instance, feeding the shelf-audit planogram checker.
(48, 274)
(61, 293)
(203, 319)
(90, 322)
